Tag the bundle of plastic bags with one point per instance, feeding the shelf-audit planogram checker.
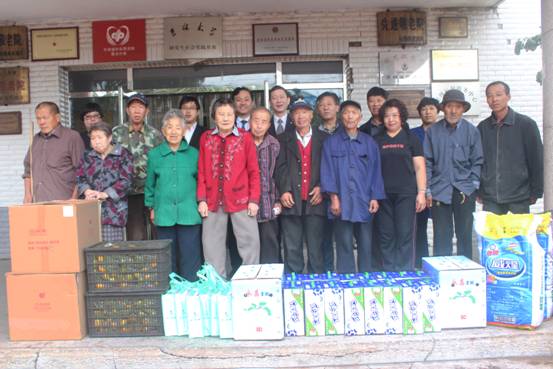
(516, 251)
(198, 309)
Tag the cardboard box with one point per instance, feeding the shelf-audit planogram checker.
(314, 309)
(462, 299)
(375, 322)
(257, 312)
(46, 306)
(51, 237)
(294, 315)
(354, 308)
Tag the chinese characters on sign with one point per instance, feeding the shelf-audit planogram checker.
(454, 65)
(275, 39)
(193, 37)
(401, 28)
(14, 86)
(10, 123)
(54, 43)
(404, 68)
(13, 43)
(114, 41)
(470, 89)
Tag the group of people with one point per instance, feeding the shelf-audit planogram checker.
(281, 182)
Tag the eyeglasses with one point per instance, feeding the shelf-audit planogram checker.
(92, 116)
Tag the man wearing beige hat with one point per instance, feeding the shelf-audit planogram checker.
(454, 158)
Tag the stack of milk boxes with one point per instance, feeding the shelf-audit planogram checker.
(386, 303)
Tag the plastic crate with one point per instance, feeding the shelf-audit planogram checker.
(130, 266)
(129, 315)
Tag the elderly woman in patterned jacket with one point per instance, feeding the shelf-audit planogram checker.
(105, 173)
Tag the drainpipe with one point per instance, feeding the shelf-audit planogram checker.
(547, 55)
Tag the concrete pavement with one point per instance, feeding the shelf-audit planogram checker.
(492, 347)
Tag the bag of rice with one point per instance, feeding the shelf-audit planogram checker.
(514, 263)
(545, 241)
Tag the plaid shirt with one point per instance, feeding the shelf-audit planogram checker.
(267, 153)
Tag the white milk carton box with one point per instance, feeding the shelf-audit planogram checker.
(294, 314)
(169, 314)
(430, 312)
(314, 308)
(462, 300)
(393, 308)
(224, 315)
(412, 307)
(257, 312)
(375, 322)
(333, 296)
(354, 308)
(181, 318)
(195, 316)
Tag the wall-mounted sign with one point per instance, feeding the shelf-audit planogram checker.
(454, 65)
(275, 39)
(14, 86)
(54, 43)
(193, 37)
(116, 40)
(13, 43)
(404, 68)
(10, 123)
(397, 28)
(410, 98)
(470, 89)
(454, 27)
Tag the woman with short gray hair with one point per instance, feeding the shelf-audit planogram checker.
(170, 194)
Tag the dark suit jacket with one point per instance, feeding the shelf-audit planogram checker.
(195, 139)
(289, 127)
(288, 171)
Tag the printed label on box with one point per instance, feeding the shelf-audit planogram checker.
(374, 310)
(354, 311)
(314, 311)
(294, 315)
(334, 310)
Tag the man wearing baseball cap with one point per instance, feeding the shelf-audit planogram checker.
(298, 181)
(137, 137)
(454, 158)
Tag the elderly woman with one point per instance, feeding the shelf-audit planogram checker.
(105, 173)
(404, 174)
(170, 194)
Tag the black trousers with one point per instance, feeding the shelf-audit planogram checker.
(421, 237)
(396, 223)
(520, 207)
(443, 217)
(139, 226)
(269, 239)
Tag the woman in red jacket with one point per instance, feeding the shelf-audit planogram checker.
(228, 185)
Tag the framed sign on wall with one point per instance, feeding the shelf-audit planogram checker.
(454, 65)
(54, 43)
(275, 39)
(10, 123)
(454, 27)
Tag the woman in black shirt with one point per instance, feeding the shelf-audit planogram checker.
(404, 174)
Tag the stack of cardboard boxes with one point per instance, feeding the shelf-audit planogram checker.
(46, 285)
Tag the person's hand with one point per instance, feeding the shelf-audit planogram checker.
(91, 194)
(533, 200)
(253, 208)
(152, 215)
(287, 200)
(420, 202)
(373, 206)
(428, 201)
(316, 196)
(335, 208)
(203, 209)
(102, 196)
(28, 198)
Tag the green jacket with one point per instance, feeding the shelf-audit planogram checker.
(171, 185)
(138, 143)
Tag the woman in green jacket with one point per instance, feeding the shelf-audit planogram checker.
(170, 194)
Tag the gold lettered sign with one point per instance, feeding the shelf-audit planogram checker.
(14, 86)
(13, 43)
(410, 98)
(55, 43)
(397, 28)
(10, 123)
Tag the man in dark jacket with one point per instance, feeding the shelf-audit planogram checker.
(512, 175)
(298, 181)
(190, 107)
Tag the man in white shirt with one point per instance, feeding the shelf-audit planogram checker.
(243, 104)
(281, 121)
(190, 107)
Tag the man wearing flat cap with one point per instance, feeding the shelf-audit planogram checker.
(351, 175)
(298, 181)
(428, 109)
(137, 137)
(454, 158)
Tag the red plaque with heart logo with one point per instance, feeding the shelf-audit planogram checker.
(119, 40)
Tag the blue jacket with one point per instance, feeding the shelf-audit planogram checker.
(351, 169)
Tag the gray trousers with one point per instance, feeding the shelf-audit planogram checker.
(214, 237)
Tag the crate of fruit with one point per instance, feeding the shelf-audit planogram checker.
(131, 266)
(125, 315)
